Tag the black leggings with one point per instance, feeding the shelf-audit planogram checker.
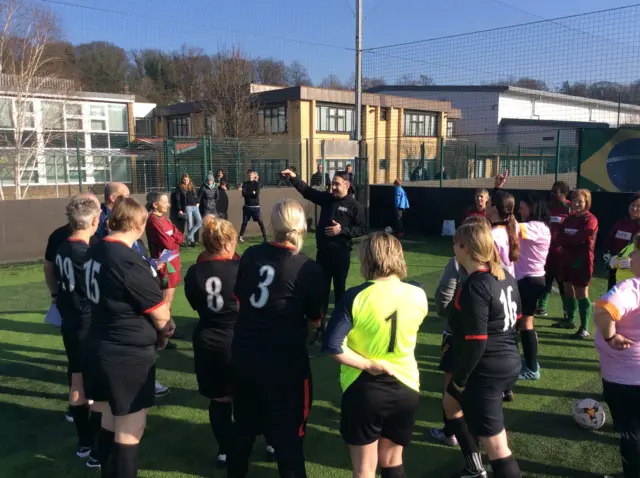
(548, 283)
(623, 402)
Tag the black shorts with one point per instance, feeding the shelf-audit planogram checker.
(127, 387)
(212, 359)
(73, 347)
(531, 291)
(447, 350)
(482, 397)
(374, 407)
(249, 213)
(274, 404)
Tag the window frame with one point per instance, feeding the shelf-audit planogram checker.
(420, 124)
(334, 115)
(179, 123)
(270, 114)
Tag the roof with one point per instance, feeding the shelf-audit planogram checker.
(324, 95)
(552, 123)
(516, 90)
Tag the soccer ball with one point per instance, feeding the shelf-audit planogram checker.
(588, 413)
(388, 230)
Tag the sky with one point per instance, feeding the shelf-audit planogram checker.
(321, 34)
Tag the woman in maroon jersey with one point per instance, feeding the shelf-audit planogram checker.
(621, 235)
(559, 209)
(578, 240)
(481, 197)
(163, 234)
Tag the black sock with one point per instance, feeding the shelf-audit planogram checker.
(392, 472)
(506, 468)
(446, 429)
(630, 453)
(125, 460)
(80, 415)
(105, 447)
(221, 424)
(95, 420)
(529, 340)
(467, 444)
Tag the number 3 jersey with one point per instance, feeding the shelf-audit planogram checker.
(208, 287)
(279, 292)
(483, 321)
(72, 302)
(380, 321)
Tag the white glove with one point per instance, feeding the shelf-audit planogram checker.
(624, 263)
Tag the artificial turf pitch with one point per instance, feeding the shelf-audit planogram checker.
(36, 442)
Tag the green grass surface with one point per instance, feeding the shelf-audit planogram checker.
(36, 442)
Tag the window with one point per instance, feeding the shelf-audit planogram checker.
(179, 126)
(98, 117)
(384, 114)
(118, 118)
(75, 140)
(145, 127)
(210, 125)
(449, 129)
(420, 124)
(273, 120)
(28, 114)
(334, 119)
(96, 110)
(73, 116)
(53, 115)
(99, 141)
(111, 168)
(6, 113)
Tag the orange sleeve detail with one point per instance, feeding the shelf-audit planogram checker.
(610, 308)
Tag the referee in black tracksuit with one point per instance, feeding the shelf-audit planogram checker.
(342, 218)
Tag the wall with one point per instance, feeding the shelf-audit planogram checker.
(25, 225)
(431, 206)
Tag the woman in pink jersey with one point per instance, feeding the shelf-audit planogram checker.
(535, 238)
(500, 209)
(618, 344)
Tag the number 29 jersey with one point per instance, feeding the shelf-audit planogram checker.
(486, 309)
(73, 304)
(278, 291)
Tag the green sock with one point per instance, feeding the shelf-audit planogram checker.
(544, 301)
(586, 308)
(570, 307)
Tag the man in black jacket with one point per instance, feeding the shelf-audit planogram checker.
(251, 209)
(342, 219)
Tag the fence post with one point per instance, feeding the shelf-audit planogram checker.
(441, 162)
(204, 154)
(55, 172)
(475, 162)
(558, 155)
(324, 164)
(78, 160)
(211, 153)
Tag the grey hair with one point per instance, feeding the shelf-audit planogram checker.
(80, 211)
(153, 197)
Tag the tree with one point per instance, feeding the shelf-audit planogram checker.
(155, 77)
(531, 84)
(270, 72)
(102, 66)
(371, 82)
(297, 75)
(27, 31)
(332, 82)
(422, 80)
(190, 65)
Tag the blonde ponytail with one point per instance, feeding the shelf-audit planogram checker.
(289, 223)
(495, 267)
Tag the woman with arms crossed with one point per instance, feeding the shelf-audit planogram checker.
(130, 320)
(618, 344)
(379, 374)
(483, 321)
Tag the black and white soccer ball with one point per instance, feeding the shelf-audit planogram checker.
(589, 413)
(388, 230)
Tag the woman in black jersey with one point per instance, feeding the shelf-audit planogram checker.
(209, 286)
(278, 295)
(83, 214)
(130, 321)
(483, 321)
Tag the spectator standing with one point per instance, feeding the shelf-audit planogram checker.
(342, 219)
(208, 196)
(317, 177)
(188, 206)
(220, 177)
(481, 197)
(251, 209)
(401, 205)
(112, 191)
(222, 205)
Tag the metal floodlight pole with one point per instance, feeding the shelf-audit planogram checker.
(359, 76)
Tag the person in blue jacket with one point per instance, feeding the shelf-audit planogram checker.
(401, 205)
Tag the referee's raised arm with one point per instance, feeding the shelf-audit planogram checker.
(310, 194)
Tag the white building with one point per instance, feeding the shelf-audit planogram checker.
(511, 114)
(60, 128)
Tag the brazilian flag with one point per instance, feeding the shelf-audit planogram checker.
(170, 270)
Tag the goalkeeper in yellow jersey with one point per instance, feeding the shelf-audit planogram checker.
(373, 334)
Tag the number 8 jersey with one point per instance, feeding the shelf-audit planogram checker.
(485, 312)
